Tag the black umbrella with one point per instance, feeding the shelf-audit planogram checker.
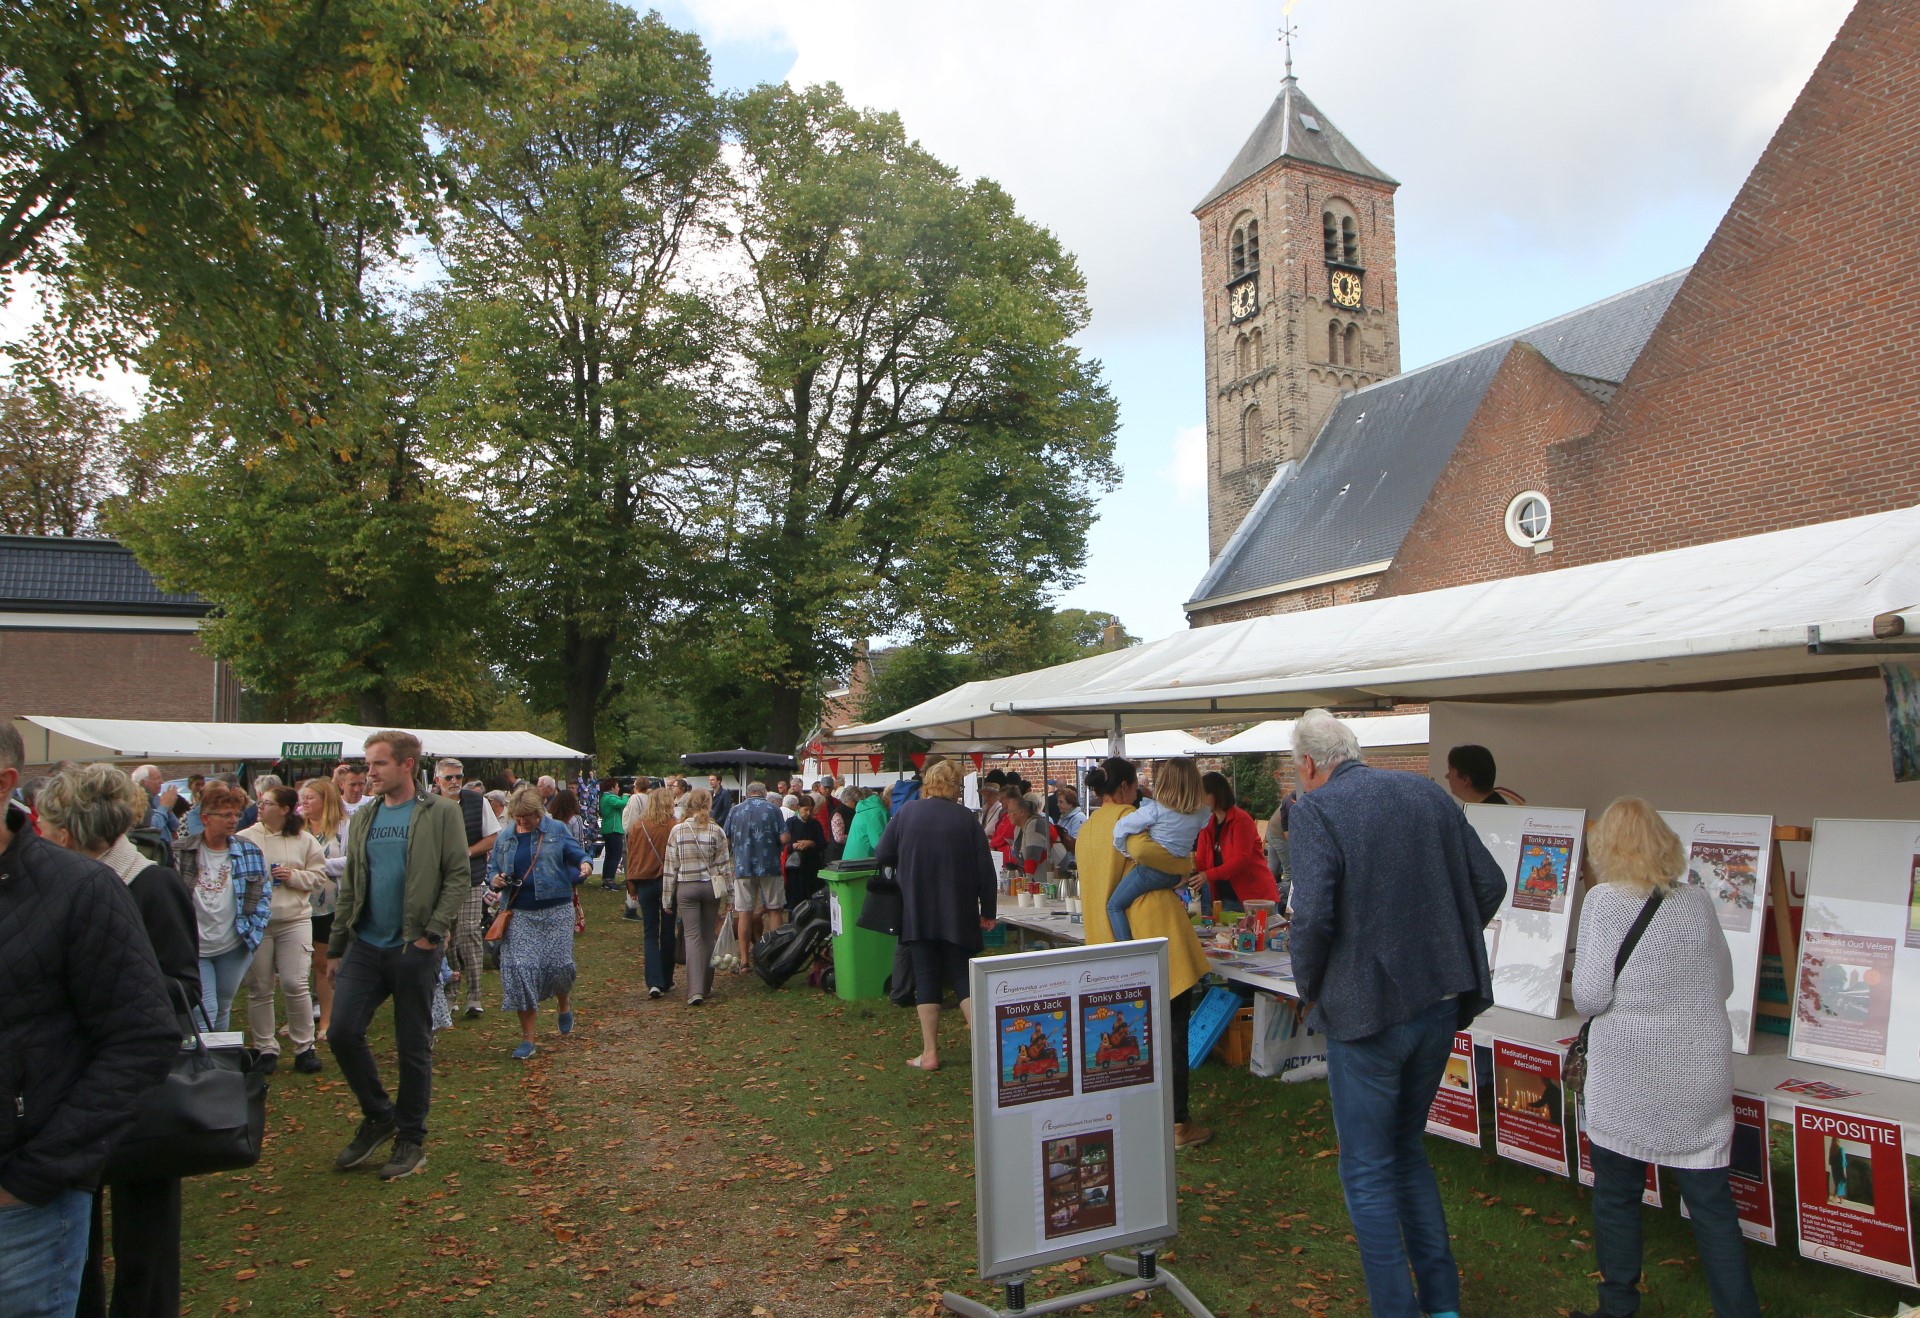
(729, 759)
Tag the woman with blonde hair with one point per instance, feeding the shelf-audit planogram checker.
(694, 878)
(1654, 973)
(540, 863)
(298, 866)
(646, 853)
(90, 810)
(326, 818)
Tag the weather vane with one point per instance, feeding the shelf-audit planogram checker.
(1287, 32)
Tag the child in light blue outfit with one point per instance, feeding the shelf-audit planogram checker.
(1173, 818)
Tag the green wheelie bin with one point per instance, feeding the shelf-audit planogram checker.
(862, 959)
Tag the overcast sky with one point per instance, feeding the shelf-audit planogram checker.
(1549, 154)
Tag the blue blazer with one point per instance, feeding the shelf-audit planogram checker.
(555, 873)
(1392, 891)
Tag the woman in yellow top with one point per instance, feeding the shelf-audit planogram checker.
(1159, 914)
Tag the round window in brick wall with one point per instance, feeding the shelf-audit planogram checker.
(1529, 519)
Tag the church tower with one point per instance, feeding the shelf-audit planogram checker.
(1299, 295)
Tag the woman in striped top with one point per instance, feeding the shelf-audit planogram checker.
(697, 863)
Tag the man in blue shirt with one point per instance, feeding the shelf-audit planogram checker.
(753, 835)
(160, 815)
(406, 879)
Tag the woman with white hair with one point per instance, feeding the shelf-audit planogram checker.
(1654, 974)
(90, 810)
(539, 863)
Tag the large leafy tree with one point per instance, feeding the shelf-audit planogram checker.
(577, 355)
(59, 458)
(919, 442)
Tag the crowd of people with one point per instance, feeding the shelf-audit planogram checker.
(143, 912)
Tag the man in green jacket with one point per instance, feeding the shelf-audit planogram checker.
(406, 877)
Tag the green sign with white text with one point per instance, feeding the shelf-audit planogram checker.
(309, 750)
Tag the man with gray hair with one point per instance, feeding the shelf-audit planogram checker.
(160, 816)
(1391, 894)
(466, 953)
(753, 835)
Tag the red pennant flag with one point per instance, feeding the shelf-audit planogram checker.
(873, 763)
(833, 765)
(919, 759)
(979, 761)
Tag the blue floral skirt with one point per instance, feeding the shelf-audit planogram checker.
(536, 957)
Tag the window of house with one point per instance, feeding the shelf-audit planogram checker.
(1529, 519)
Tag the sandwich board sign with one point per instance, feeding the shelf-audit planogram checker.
(1073, 1115)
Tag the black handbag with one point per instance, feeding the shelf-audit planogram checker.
(208, 1115)
(885, 906)
(1573, 1072)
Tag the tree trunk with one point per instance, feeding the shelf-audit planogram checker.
(589, 663)
(372, 702)
(783, 721)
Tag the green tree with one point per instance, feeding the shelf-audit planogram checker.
(59, 459)
(577, 357)
(918, 440)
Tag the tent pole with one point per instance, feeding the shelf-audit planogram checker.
(1117, 739)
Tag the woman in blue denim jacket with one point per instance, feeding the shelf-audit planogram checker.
(232, 897)
(539, 863)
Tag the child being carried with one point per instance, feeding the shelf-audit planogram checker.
(1173, 818)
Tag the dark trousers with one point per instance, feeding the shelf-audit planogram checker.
(146, 1253)
(1617, 1183)
(1180, 1015)
(656, 931)
(368, 977)
(616, 851)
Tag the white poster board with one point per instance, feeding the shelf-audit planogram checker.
(1729, 856)
(1539, 851)
(1860, 948)
(1072, 1103)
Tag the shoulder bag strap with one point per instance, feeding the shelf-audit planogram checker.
(1639, 926)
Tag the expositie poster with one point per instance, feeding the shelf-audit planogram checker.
(1539, 852)
(1035, 1049)
(1080, 1191)
(1529, 1113)
(1728, 857)
(1858, 952)
(1116, 1036)
(1455, 1113)
(1850, 1180)
(1649, 1194)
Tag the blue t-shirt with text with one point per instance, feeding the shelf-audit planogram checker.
(382, 920)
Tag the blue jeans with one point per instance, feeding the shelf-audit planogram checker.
(220, 978)
(1135, 884)
(1617, 1182)
(1382, 1086)
(656, 935)
(43, 1251)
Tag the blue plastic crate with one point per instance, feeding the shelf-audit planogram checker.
(1210, 1020)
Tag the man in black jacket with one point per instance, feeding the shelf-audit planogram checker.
(86, 1030)
(1391, 894)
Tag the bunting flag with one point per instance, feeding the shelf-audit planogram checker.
(979, 761)
(873, 763)
(833, 765)
(919, 759)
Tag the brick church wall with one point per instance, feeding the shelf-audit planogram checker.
(112, 674)
(1783, 386)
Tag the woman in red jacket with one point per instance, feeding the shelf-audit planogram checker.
(1228, 854)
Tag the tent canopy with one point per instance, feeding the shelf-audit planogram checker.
(1275, 736)
(735, 758)
(159, 742)
(1140, 746)
(1806, 602)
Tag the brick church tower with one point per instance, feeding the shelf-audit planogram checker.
(1301, 304)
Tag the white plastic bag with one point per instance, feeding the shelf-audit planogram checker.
(726, 948)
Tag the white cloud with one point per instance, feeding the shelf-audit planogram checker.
(1187, 472)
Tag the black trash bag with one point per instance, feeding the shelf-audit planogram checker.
(780, 954)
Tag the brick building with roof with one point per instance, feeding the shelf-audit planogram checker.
(85, 631)
(1773, 384)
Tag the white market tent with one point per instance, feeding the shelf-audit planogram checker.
(163, 742)
(1803, 603)
(1407, 732)
(1163, 745)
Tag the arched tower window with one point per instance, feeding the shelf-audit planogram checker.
(1333, 342)
(1243, 251)
(1242, 358)
(1339, 233)
(1351, 357)
(1238, 253)
(1250, 434)
(1253, 244)
(1259, 344)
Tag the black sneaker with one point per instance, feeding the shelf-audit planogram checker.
(308, 1063)
(265, 1064)
(407, 1159)
(366, 1143)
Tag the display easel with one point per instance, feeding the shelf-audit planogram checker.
(1780, 896)
(1143, 1268)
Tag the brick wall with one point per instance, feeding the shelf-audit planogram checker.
(1783, 386)
(1294, 384)
(1460, 534)
(1350, 591)
(133, 675)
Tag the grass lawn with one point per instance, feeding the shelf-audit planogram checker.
(770, 1156)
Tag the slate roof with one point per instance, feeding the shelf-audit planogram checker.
(1294, 128)
(50, 574)
(1352, 499)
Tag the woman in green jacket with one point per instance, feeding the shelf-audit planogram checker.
(869, 822)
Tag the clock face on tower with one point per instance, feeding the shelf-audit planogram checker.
(1346, 289)
(1243, 298)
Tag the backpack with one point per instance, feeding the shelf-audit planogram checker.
(151, 843)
